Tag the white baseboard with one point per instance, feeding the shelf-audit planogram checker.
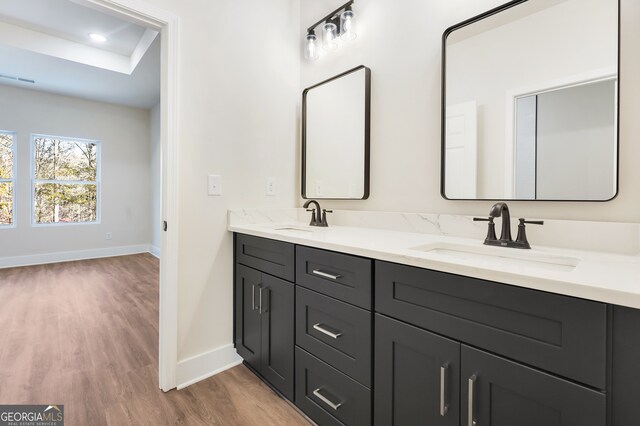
(205, 365)
(68, 256)
(155, 251)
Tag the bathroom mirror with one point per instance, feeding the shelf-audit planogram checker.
(335, 137)
(530, 103)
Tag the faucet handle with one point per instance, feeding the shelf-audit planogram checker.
(491, 229)
(482, 219)
(324, 217)
(314, 221)
(521, 239)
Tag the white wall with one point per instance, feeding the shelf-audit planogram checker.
(238, 91)
(124, 196)
(155, 179)
(403, 49)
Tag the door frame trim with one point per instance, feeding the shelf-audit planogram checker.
(168, 25)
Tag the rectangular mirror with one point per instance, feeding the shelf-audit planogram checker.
(530, 103)
(335, 137)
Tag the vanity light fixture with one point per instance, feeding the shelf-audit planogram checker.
(312, 51)
(337, 26)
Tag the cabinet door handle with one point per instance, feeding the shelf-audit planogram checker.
(326, 400)
(326, 274)
(253, 298)
(472, 382)
(444, 407)
(260, 300)
(323, 330)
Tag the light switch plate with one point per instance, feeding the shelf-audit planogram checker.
(214, 185)
(271, 186)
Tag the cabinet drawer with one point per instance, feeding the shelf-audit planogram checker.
(344, 277)
(506, 393)
(336, 332)
(560, 334)
(329, 397)
(270, 256)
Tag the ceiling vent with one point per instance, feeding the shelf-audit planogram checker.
(23, 80)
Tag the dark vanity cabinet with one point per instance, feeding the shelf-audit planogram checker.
(334, 337)
(378, 343)
(513, 356)
(417, 376)
(264, 310)
(500, 392)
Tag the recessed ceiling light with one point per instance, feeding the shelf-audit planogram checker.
(98, 38)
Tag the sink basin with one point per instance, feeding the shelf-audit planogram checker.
(489, 255)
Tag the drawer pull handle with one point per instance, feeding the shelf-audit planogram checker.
(326, 274)
(326, 400)
(444, 407)
(472, 382)
(323, 330)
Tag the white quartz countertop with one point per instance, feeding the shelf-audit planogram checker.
(604, 277)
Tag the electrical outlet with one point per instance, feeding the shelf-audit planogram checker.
(214, 185)
(271, 186)
(108, 236)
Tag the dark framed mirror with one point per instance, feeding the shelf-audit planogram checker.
(336, 137)
(530, 103)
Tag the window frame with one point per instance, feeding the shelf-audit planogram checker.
(12, 181)
(35, 181)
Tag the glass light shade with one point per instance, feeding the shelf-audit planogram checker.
(347, 24)
(330, 36)
(311, 51)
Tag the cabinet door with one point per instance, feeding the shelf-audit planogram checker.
(416, 376)
(277, 309)
(248, 321)
(499, 392)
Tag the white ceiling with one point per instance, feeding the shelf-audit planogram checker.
(47, 41)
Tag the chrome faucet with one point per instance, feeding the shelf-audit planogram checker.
(502, 210)
(318, 215)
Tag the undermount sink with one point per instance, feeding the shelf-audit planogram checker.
(487, 254)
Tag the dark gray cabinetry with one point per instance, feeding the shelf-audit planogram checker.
(276, 363)
(529, 333)
(264, 328)
(563, 335)
(417, 376)
(336, 332)
(625, 390)
(248, 319)
(333, 337)
(273, 257)
(499, 392)
(329, 397)
(441, 349)
(344, 277)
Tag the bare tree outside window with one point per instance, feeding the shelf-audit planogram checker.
(65, 180)
(7, 177)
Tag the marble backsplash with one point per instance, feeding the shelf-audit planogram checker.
(610, 237)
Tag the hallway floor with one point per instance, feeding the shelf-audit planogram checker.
(85, 334)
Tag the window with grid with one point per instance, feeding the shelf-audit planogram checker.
(66, 180)
(7, 178)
